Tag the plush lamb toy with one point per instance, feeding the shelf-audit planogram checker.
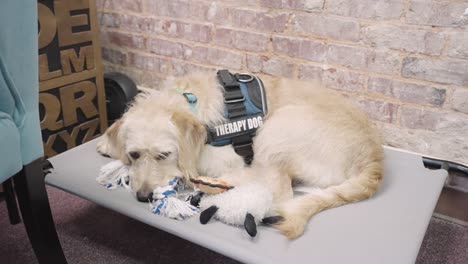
(246, 205)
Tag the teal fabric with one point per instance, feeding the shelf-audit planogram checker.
(10, 162)
(7, 100)
(19, 87)
(9, 96)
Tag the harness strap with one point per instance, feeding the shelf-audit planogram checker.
(236, 110)
(234, 101)
(243, 147)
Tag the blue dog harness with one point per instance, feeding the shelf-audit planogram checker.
(245, 106)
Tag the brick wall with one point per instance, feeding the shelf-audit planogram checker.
(404, 62)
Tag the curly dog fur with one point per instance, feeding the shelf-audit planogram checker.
(311, 135)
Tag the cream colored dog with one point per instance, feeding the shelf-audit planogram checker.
(311, 136)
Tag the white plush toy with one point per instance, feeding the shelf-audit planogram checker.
(246, 205)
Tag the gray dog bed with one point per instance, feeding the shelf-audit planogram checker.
(387, 228)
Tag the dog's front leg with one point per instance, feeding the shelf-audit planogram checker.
(110, 144)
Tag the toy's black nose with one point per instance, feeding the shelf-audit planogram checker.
(144, 196)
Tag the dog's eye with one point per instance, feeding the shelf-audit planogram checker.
(163, 155)
(134, 155)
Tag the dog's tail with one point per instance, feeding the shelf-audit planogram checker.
(297, 211)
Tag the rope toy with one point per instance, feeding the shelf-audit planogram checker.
(166, 200)
(113, 175)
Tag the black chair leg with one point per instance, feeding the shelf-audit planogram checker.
(37, 216)
(10, 199)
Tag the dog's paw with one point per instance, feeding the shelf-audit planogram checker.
(242, 206)
(290, 226)
(211, 185)
(103, 147)
(295, 219)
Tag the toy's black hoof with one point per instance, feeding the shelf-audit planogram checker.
(250, 225)
(206, 215)
(271, 220)
(195, 200)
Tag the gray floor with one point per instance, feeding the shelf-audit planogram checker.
(92, 234)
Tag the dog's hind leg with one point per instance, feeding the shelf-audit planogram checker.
(297, 211)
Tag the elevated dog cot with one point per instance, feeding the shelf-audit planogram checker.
(388, 228)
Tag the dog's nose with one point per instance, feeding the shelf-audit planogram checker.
(144, 196)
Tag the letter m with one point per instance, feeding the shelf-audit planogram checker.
(70, 58)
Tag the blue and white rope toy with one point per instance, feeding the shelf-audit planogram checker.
(113, 175)
(166, 200)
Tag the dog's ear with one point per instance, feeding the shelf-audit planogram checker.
(192, 136)
(115, 142)
(113, 130)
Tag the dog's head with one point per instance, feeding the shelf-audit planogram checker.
(159, 143)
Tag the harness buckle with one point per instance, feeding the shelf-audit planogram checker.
(191, 98)
(233, 101)
(233, 96)
(244, 77)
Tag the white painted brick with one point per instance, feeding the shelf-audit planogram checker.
(172, 9)
(259, 20)
(242, 2)
(305, 5)
(459, 45)
(364, 59)
(148, 62)
(188, 31)
(323, 26)
(437, 13)
(431, 143)
(372, 9)
(184, 68)
(242, 40)
(127, 22)
(215, 13)
(108, 20)
(124, 5)
(420, 118)
(378, 110)
(436, 70)
(300, 48)
(408, 92)
(187, 9)
(333, 78)
(344, 80)
(126, 40)
(460, 101)
(168, 48)
(215, 56)
(310, 72)
(407, 39)
(114, 56)
(274, 66)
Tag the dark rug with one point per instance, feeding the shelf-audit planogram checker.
(93, 234)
